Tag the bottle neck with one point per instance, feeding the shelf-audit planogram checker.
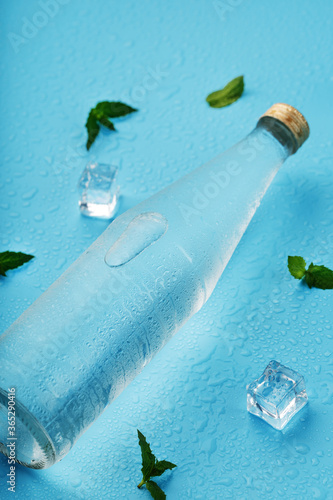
(280, 132)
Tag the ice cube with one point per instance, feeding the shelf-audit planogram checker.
(98, 190)
(277, 395)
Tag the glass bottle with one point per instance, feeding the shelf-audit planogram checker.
(85, 339)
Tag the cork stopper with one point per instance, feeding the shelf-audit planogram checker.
(292, 119)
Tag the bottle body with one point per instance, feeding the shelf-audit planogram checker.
(100, 323)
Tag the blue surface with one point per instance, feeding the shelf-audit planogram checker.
(191, 400)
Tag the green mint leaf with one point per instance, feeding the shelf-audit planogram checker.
(114, 109)
(296, 266)
(12, 260)
(155, 491)
(92, 128)
(319, 277)
(106, 122)
(229, 94)
(314, 276)
(161, 466)
(152, 467)
(309, 280)
(101, 114)
(148, 458)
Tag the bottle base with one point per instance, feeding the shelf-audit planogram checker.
(22, 438)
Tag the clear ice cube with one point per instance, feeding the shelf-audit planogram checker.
(98, 190)
(277, 395)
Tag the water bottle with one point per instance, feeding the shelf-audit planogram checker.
(85, 339)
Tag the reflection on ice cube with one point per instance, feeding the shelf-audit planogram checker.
(276, 395)
(98, 191)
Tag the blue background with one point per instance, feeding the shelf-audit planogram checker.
(191, 400)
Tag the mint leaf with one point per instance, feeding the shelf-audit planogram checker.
(319, 277)
(106, 122)
(309, 279)
(12, 260)
(101, 114)
(296, 266)
(114, 109)
(314, 276)
(229, 94)
(92, 128)
(152, 467)
(148, 458)
(162, 466)
(155, 490)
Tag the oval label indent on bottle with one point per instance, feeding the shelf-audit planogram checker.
(140, 233)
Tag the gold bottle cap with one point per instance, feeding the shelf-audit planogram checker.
(292, 119)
